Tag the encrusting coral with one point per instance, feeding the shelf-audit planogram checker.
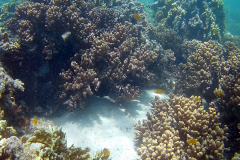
(174, 123)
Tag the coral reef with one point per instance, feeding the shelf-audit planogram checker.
(99, 155)
(8, 83)
(5, 130)
(201, 72)
(115, 58)
(228, 95)
(43, 144)
(53, 145)
(48, 33)
(192, 19)
(10, 147)
(173, 122)
(97, 47)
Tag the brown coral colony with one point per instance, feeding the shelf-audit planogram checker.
(63, 51)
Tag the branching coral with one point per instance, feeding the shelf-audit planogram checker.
(228, 94)
(203, 21)
(45, 143)
(5, 130)
(53, 145)
(9, 84)
(164, 135)
(94, 34)
(200, 73)
(114, 61)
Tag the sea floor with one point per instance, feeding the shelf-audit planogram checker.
(106, 124)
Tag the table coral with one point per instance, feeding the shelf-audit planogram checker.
(165, 133)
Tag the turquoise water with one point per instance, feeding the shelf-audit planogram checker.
(232, 16)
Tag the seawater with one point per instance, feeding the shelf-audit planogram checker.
(232, 11)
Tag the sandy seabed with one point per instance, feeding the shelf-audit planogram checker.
(106, 124)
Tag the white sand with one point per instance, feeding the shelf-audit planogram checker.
(105, 124)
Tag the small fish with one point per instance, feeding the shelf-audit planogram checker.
(188, 32)
(175, 125)
(214, 8)
(137, 17)
(219, 92)
(34, 121)
(171, 84)
(66, 36)
(159, 91)
(106, 152)
(197, 99)
(192, 141)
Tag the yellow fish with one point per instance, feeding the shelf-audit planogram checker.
(192, 141)
(34, 121)
(219, 92)
(159, 91)
(214, 8)
(106, 152)
(137, 17)
(197, 99)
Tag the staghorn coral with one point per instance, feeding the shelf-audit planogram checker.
(200, 73)
(165, 133)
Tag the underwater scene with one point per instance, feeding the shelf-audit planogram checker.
(119, 80)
